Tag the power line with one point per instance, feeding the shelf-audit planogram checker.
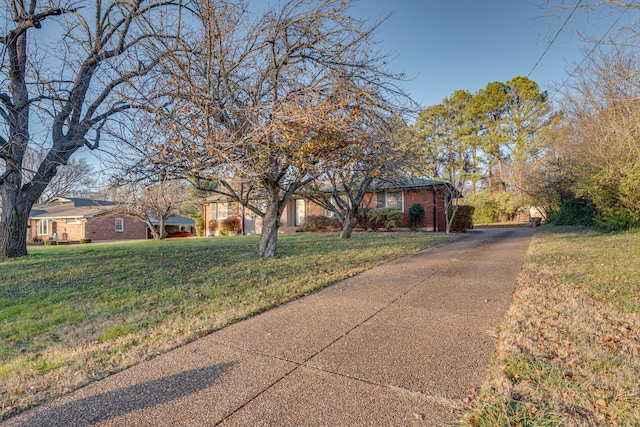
(555, 37)
(592, 49)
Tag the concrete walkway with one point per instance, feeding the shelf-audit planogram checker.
(401, 344)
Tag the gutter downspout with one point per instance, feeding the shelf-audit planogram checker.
(435, 217)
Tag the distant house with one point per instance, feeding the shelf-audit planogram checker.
(401, 196)
(73, 219)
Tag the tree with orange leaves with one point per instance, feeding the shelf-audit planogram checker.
(261, 104)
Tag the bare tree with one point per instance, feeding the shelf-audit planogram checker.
(600, 146)
(262, 102)
(346, 177)
(92, 64)
(154, 203)
(76, 178)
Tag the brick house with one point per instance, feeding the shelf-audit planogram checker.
(72, 219)
(401, 196)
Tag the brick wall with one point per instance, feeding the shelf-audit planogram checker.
(70, 232)
(104, 228)
(424, 197)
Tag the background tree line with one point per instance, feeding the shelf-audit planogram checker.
(485, 143)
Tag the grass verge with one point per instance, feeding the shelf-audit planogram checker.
(70, 315)
(568, 352)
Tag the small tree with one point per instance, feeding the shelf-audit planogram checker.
(154, 203)
(76, 178)
(346, 178)
(389, 218)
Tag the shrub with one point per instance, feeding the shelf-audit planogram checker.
(199, 226)
(388, 218)
(50, 243)
(576, 211)
(85, 240)
(319, 222)
(362, 220)
(416, 215)
(463, 219)
(231, 225)
(493, 207)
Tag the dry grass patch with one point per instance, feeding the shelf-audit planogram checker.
(70, 315)
(568, 353)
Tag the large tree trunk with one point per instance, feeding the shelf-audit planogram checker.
(161, 232)
(13, 232)
(269, 237)
(16, 206)
(348, 224)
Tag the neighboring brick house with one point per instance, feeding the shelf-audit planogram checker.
(72, 219)
(427, 192)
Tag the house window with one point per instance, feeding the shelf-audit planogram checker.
(222, 210)
(43, 227)
(119, 225)
(72, 221)
(393, 200)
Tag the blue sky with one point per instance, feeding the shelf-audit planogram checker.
(444, 45)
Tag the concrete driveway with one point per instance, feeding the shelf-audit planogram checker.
(401, 344)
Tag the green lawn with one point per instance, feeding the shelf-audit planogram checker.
(70, 315)
(568, 352)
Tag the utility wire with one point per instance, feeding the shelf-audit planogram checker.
(592, 49)
(555, 37)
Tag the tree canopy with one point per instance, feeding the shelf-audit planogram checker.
(260, 103)
(71, 68)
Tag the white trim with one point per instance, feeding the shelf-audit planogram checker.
(45, 228)
(220, 210)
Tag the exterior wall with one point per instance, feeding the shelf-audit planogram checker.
(66, 232)
(70, 232)
(294, 213)
(287, 216)
(96, 229)
(209, 215)
(315, 210)
(103, 228)
(33, 231)
(253, 223)
(424, 197)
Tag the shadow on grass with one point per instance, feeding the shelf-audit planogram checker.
(116, 403)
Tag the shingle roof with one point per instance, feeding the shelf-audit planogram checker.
(413, 183)
(60, 207)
